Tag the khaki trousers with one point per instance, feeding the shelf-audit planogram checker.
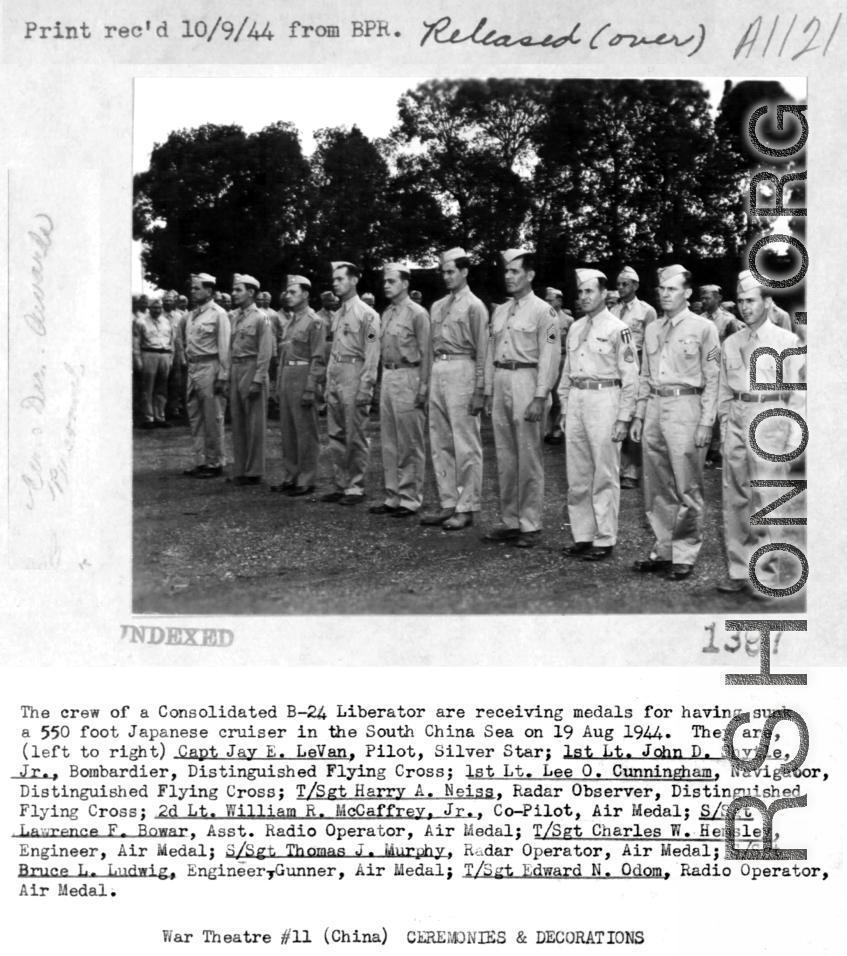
(593, 459)
(249, 421)
(206, 414)
(520, 463)
(347, 428)
(454, 435)
(155, 368)
(403, 438)
(298, 426)
(673, 477)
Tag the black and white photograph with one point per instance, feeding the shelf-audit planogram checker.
(462, 346)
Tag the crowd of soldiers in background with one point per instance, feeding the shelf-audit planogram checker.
(639, 396)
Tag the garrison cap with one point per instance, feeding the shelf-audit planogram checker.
(452, 254)
(583, 275)
(205, 277)
(552, 291)
(669, 272)
(628, 273)
(368, 297)
(511, 254)
(338, 265)
(245, 280)
(298, 280)
(747, 282)
(400, 268)
(329, 294)
(714, 288)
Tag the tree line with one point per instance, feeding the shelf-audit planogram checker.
(580, 170)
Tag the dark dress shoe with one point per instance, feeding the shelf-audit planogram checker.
(210, 472)
(195, 470)
(332, 496)
(351, 500)
(651, 566)
(679, 572)
(286, 488)
(732, 586)
(301, 492)
(403, 513)
(462, 519)
(527, 539)
(435, 520)
(578, 548)
(382, 510)
(502, 534)
(597, 554)
(629, 483)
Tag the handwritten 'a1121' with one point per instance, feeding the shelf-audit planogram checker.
(783, 36)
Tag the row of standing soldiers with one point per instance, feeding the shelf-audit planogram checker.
(658, 383)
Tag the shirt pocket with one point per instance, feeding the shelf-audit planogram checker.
(599, 346)
(686, 355)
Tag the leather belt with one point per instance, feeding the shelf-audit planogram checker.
(242, 359)
(668, 391)
(760, 396)
(511, 366)
(348, 359)
(393, 366)
(449, 356)
(160, 351)
(588, 383)
(202, 359)
(296, 362)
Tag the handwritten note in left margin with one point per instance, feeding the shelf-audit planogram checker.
(54, 347)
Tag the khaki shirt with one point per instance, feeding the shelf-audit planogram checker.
(356, 335)
(735, 365)
(637, 315)
(303, 340)
(779, 317)
(682, 351)
(150, 333)
(525, 330)
(405, 338)
(601, 349)
(252, 337)
(725, 323)
(206, 334)
(460, 327)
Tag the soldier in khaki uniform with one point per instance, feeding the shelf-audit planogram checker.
(406, 361)
(302, 369)
(597, 392)
(252, 347)
(738, 405)
(521, 364)
(779, 317)
(263, 301)
(724, 322)
(153, 350)
(553, 434)
(677, 403)
(206, 343)
(456, 395)
(174, 407)
(326, 313)
(350, 382)
(637, 315)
